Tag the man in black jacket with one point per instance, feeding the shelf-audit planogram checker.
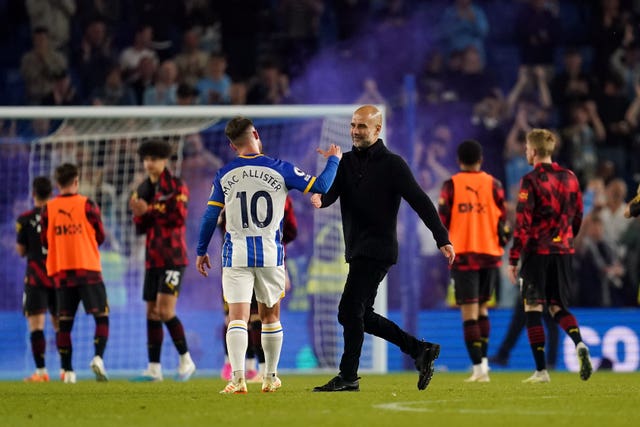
(370, 182)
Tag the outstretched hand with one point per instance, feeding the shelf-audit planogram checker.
(448, 252)
(333, 150)
(316, 201)
(203, 261)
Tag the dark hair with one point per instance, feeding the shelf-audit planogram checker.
(236, 127)
(155, 148)
(185, 89)
(469, 152)
(42, 187)
(66, 173)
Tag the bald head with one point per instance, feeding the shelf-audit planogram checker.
(366, 124)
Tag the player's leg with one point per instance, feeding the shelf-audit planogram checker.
(35, 306)
(166, 300)
(94, 300)
(533, 275)
(225, 372)
(466, 285)
(254, 347)
(237, 287)
(155, 330)
(269, 289)
(489, 282)
(557, 290)
(67, 299)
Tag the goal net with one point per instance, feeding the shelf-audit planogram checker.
(103, 142)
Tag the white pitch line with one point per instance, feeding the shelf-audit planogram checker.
(423, 406)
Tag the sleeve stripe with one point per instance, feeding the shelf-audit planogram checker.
(311, 181)
(214, 203)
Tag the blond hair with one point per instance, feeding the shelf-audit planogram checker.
(543, 141)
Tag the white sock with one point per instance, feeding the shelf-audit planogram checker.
(41, 371)
(271, 338)
(237, 341)
(261, 368)
(185, 358)
(154, 368)
(485, 365)
(250, 364)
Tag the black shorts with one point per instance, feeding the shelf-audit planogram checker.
(93, 297)
(39, 299)
(162, 280)
(546, 279)
(474, 286)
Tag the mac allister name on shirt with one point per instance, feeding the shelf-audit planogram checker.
(235, 178)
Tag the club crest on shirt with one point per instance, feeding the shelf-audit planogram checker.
(523, 196)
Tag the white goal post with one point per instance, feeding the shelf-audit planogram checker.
(106, 133)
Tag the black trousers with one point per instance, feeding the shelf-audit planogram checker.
(356, 315)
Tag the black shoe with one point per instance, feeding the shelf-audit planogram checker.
(499, 360)
(424, 363)
(338, 384)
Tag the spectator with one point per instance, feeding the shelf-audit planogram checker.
(131, 56)
(39, 65)
(201, 17)
(56, 16)
(270, 87)
(62, 91)
(147, 68)
(300, 21)
(537, 33)
(215, 86)
(163, 92)
(625, 62)
(581, 138)
(608, 30)
(186, 94)
(464, 24)
(571, 85)
(107, 11)
(615, 110)
(166, 18)
(600, 272)
(191, 61)
(474, 81)
(612, 213)
(114, 91)
(94, 55)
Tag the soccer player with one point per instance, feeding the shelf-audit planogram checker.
(254, 349)
(370, 182)
(159, 209)
(39, 290)
(72, 230)
(548, 217)
(253, 188)
(472, 207)
(633, 207)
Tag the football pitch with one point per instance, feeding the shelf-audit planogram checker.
(607, 399)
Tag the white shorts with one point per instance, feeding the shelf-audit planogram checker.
(238, 284)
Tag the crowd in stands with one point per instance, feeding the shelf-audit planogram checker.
(484, 69)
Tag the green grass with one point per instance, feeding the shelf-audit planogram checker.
(607, 399)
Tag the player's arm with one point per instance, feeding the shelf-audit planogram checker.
(44, 224)
(208, 224)
(524, 214)
(21, 238)
(94, 217)
(290, 223)
(445, 202)
(504, 229)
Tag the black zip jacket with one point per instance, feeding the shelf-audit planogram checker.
(370, 183)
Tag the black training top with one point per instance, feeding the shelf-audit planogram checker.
(370, 183)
